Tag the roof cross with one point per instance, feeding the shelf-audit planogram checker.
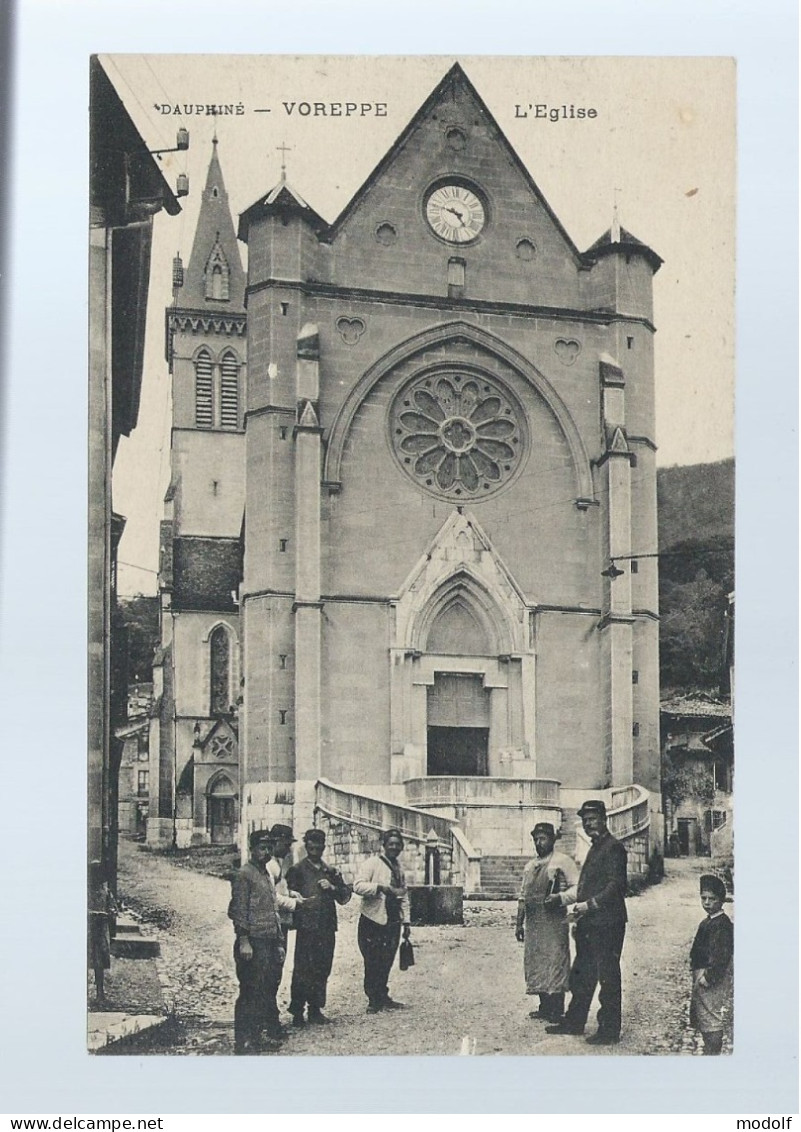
(284, 149)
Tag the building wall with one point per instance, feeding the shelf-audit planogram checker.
(543, 329)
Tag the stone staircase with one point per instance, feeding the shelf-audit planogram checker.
(501, 877)
(130, 943)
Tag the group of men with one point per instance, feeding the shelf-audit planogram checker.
(265, 905)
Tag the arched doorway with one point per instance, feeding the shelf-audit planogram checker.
(222, 811)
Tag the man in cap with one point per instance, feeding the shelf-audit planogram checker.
(385, 909)
(258, 950)
(323, 887)
(600, 916)
(543, 926)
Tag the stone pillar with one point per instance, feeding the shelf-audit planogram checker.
(528, 705)
(99, 562)
(307, 606)
(498, 732)
(617, 621)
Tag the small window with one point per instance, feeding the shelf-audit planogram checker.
(456, 276)
(282, 432)
(282, 715)
(635, 730)
(282, 660)
(217, 275)
(635, 566)
(283, 543)
(142, 782)
(629, 342)
(635, 677)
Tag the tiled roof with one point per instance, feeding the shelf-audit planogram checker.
(698, 705)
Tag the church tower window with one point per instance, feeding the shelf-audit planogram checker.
(220, 648)
(204, 391)
(229, 391)
(217, 274)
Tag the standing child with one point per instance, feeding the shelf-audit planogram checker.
(102, 912)
(711, 964)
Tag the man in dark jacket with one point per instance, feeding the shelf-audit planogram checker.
(600, 917)
(316, 921)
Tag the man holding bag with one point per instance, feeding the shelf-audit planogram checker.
(385, 913)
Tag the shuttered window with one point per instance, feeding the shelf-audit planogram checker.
(229, 392)
(204, 394)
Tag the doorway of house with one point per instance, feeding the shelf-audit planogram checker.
(687, 829)
(458, 725)
(222, 812)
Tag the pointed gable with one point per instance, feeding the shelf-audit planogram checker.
(214, 279)
(456, 111)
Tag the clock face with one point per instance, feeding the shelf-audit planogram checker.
(455, 213)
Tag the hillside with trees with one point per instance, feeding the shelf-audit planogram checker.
(696, 572)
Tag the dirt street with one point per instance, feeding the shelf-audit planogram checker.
(465, 992)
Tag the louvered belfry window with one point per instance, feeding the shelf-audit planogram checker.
(229, 392)
(220, 671)
(204, 391)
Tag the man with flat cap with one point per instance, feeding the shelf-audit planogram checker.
(543, 926)
(323, 887)
(600, 917)
(258, 949)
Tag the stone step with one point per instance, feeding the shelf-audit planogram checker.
(501, 876)
(129, 943)
(135, 947)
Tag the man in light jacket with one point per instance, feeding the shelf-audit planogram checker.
(385, 912)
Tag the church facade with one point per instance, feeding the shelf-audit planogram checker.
(413, 460)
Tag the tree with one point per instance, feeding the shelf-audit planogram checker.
(691, 637)
(681, 780)
(140, 615)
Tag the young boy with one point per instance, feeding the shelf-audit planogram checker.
(711, 964)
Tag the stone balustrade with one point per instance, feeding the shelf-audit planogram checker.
(466, 790)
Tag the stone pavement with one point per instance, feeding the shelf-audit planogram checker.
(465, 992)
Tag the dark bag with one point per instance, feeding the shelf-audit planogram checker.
(406, 955)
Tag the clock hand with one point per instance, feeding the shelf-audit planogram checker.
(459, 215)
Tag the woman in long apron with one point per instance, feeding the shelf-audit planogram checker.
(549, 883)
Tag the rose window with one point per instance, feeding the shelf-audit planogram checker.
(459, 435)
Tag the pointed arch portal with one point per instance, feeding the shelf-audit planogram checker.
(462, 677)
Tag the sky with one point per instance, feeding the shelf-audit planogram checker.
(661, 148)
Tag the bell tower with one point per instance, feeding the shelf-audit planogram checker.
(194, 741)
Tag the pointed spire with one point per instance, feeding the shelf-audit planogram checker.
(615, 219)
(215, 249)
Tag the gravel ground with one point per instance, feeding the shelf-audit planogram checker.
(465, 992)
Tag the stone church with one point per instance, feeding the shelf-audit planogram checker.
(413, 456)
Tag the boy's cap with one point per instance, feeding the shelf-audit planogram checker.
(713, 884)
(257, 835)
(314, 835)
